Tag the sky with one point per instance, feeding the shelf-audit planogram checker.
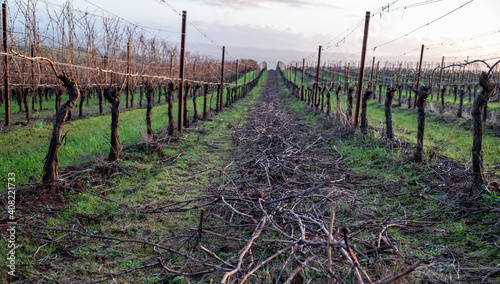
(289, 30)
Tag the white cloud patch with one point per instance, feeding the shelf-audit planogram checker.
(265, 3)
(258, 35)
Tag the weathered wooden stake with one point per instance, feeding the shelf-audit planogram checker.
(171, 65)
(362, 69)
(6, 90)
(221, 86)
(127, 87)
(295, 74)
(181, 72)
(398, 86)
(316, 95)
(236, 96)
(441, 110)
(417, 85)
(303, 74)
(372, 74)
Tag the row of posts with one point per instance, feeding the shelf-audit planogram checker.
(361, 72)
(220, 92)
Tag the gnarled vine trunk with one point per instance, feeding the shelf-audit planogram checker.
(400, 90)
(185, 121)
(443, 91)
(100, 94)
(388, 112)
(364, 104)
(308, 94)
(171, 121)
(50, 167)
(380, 93)
(461, 105)
(27, 91)
(422, 94)
(349, 102)
(85, 92)
(131, 87)
(409, 97)
(328, 104)
(205, 94)
(477, 133)
(337, 95)
(195, 107)
(112, 95)
(141, 94)
(150, 89)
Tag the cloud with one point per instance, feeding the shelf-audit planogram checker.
(265, 3)
(258, 35)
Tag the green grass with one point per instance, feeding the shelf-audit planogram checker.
(24, 150)
(453, 139)
(203, 149)
(393, 189)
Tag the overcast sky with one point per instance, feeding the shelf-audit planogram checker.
(303, 25)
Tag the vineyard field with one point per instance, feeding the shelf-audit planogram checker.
(140, 143)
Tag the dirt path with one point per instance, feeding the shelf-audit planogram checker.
(288, 193)
(281, 186)
(277, 150)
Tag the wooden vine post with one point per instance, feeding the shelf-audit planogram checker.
(372, 74)
(303, 74)
(399, 86)
(380, 86)
(6, 90)
(328, 95)
(441, 110)
(220, 94)
(171, 65)
(245, 82)
(127, 88)
(419, 74)
(362, 69)
(346, 87)
(295, 73)
(316, 84)
(236, 97)
(181, 71)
